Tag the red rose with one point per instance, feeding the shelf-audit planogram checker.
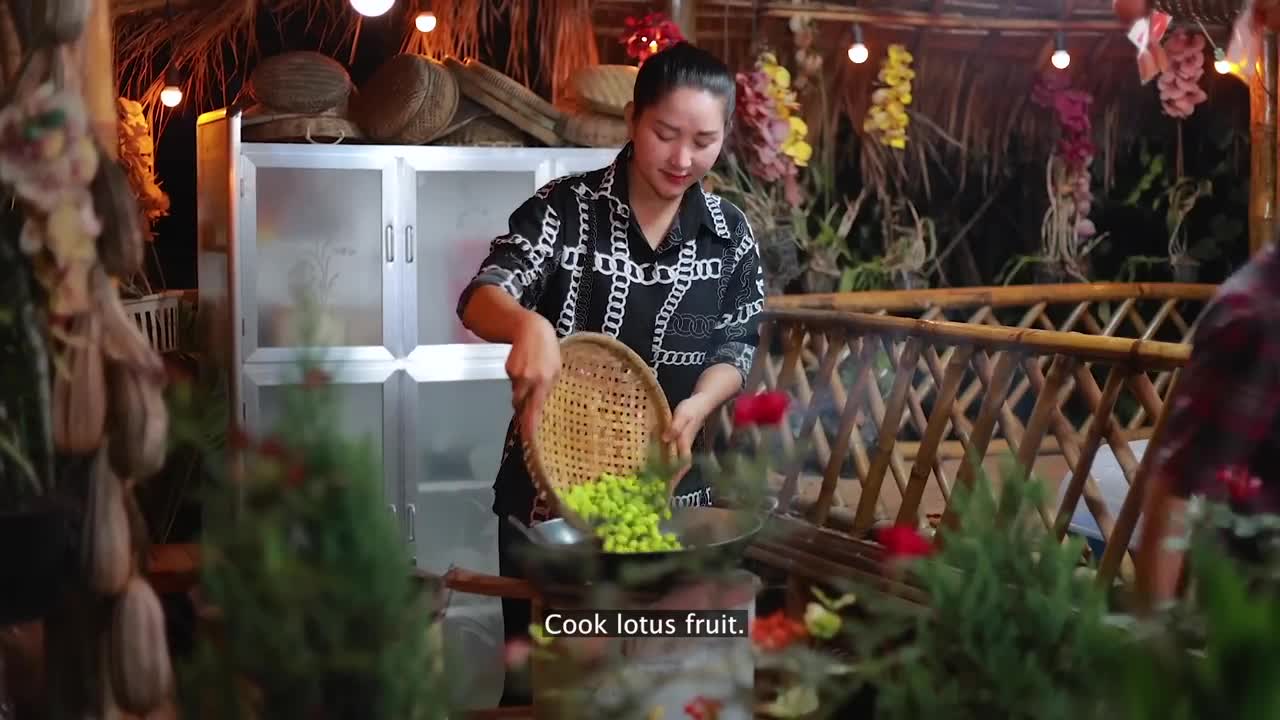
(766, 408)
(776, 631)
(315, 377)
(1241, 486)
(703, 708)
(904, 541)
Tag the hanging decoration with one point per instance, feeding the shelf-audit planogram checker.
(137, 157)
(1244, 52)
(808, 60)
(887, 118)
(1179, 84)
(47, 155)
(1146, 30)
(1069, 234)
(771, 135)
(649, 35)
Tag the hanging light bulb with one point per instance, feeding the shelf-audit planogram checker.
(372, 8)
(858, 52)
(171, 95)
(1061, 58)
(1221, 63)
(425, 22)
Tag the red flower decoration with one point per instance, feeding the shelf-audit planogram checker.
(775, 632)
(766, 408)
(315, 377)
(294, 475)
(1241, 486)
(517, 653)
(649, 35)
(272, 448)
(703, 708)
(904, 541)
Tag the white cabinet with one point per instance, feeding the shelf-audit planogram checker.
(384, 238)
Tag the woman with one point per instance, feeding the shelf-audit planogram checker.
(638, 251)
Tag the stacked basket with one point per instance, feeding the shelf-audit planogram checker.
(300, 96)
(596, 104)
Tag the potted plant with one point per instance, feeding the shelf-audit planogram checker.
(1182, 197)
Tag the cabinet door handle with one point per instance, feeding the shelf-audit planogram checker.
(392, 508)
(412, 513)
(389, 241)
(408, 243)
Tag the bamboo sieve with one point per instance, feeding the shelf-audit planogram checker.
(605, 414)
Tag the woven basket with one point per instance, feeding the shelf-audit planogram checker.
(300, 82)
(409, 100)
(605, 88)
(486, 131)
(605, 414)
(508, 99)
(594, 130)
(261, 124)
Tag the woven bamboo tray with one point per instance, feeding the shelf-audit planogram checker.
(507, 99)
(606, 413)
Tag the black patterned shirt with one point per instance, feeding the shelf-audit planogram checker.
(576, 255)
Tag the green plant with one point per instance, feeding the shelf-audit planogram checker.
(316, 607)
(1214, 653)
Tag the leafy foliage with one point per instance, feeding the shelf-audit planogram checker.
(317, 608)
(1013, 629)
(1218, 647)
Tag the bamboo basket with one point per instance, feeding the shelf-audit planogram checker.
(604, 414)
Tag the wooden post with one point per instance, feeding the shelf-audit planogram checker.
(685, 14)
(1262, 137)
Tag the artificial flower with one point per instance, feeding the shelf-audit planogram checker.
(767, 408)
(887, 119)
(516, 653)
(647, 36)
(703, 708)
(904, 542)
(794, 702)
(1241, 486)
(776, 632)
(821, 622)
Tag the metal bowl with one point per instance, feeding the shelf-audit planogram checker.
(713, 538)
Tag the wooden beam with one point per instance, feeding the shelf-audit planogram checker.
(946, 21)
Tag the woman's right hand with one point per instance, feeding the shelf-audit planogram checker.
(533, 366)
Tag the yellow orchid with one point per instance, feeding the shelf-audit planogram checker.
(887, 118)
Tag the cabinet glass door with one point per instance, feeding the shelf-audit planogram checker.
(458, 424)
(367, 408)
(456, 200)
(318, 222)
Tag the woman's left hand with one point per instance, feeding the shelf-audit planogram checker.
(686, 422)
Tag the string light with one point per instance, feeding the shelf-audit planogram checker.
(1221, 63)
(425, 22)
(171, 95)
(1061, 58)
(858, 52)
(372, 8)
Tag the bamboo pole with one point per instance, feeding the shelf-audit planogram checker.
(1152, 355)
(994, 296)
(685, 15)
(1262, 127)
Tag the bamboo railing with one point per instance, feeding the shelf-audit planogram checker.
(889, 397)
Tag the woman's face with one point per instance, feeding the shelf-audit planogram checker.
(677, 140)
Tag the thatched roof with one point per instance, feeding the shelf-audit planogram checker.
(976, 60)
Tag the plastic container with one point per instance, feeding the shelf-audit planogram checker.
(1113, 487)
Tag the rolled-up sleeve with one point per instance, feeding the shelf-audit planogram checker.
(521, 260)
(738, 332)
(1226, 401)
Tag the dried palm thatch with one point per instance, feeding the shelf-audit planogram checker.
(197, 39)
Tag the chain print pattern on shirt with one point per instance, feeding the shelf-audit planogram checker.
(620, 283)
(684, 278)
